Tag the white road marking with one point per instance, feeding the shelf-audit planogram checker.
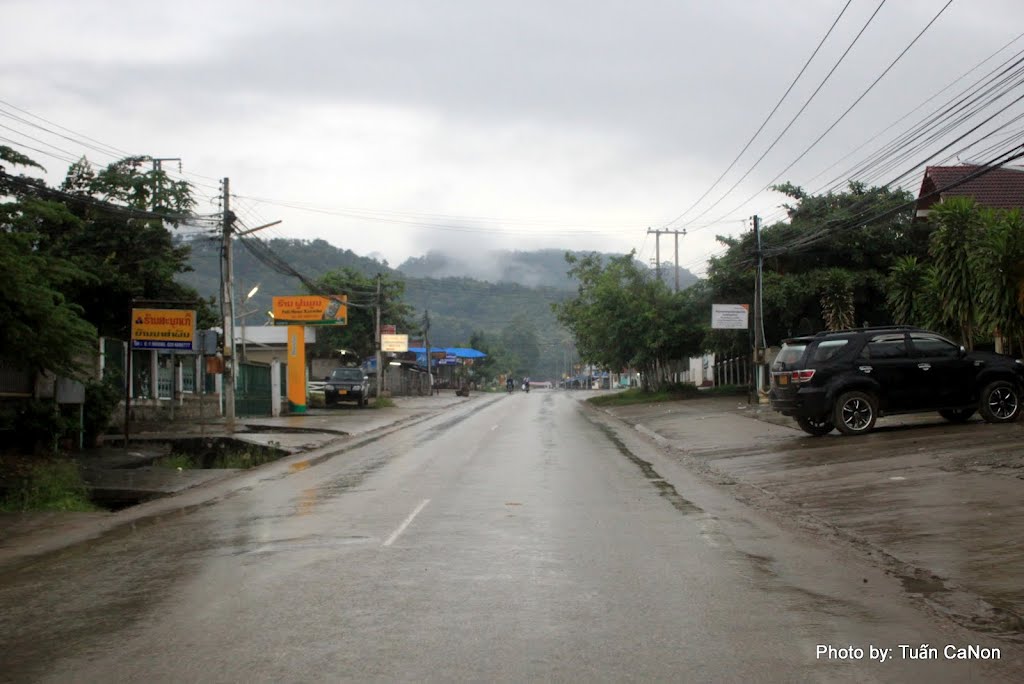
(405, 523)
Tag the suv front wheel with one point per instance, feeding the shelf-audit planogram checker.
(1000, 402)
(855, 413)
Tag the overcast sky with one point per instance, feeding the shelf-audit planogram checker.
(467, 125)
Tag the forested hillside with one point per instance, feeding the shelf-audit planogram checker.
(458, 306)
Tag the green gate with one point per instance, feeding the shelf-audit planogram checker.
(252, 390)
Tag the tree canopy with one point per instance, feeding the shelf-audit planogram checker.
(73, 258)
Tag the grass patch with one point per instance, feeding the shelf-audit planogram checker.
(49, 486)
(383, 402)
(676, 392)
(178, 461)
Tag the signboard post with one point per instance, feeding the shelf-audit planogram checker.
(729, 316)
(167, 329)
(310, 310)
(296, 312)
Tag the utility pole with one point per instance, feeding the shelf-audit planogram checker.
(227, 296)
(158, 166)
(426, 343)
(758, 311)
(657, 250)
(380, 368)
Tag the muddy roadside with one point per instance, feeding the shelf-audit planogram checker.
(940, 506)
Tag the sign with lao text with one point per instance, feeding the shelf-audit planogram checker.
(394, 343)
(388, 329)
(170, 329)
(729, 316)
(311, 310)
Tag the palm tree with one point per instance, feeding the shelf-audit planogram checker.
(957, 228)
(837, 299)
(906, 291)
(998, 263)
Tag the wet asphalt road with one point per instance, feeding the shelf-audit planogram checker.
(513, 538)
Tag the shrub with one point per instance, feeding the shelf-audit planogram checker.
(49, 486)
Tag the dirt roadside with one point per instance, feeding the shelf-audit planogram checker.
(940, 506)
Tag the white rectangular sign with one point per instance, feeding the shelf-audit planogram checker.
(729, 316)
(394, 343)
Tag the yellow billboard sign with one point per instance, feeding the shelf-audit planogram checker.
(172, 329)
(311, 310)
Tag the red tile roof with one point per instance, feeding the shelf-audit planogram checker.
(1001, 188)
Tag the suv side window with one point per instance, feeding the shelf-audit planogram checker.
(891, 346)
(828, 349)
(934, 347)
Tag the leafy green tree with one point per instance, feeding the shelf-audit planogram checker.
(41, 326)
(622, 317)
(803, 256)
(359, 335)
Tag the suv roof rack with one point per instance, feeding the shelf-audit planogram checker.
(872, 328)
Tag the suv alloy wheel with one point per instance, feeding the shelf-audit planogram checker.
(1000, 402)
(855, 413)
(815, 426)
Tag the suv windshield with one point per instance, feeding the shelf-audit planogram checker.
(347, 374)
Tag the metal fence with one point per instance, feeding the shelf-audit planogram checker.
(734, 371)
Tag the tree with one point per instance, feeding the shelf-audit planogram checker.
(837, 299)
(997, 264)
(622, 317)
(42, 327)
(858, 232)
(957, 230)
(359, 335)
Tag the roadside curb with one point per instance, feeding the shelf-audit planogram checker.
(17, 558)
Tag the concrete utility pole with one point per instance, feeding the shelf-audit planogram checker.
(158, 166)
(227, 296)
(380, 368)
(426, 343)
(758, 312)
(657, 250)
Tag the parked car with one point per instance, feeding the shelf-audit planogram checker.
(847, 379)
(347, 384)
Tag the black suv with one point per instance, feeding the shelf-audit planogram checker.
(346, 384)
(846, 379)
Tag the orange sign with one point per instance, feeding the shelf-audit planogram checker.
(311, 310)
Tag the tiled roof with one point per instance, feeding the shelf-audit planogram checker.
(1001, 188)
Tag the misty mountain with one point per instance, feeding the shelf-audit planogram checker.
(489, 293)
(537, 268)
(458, 306)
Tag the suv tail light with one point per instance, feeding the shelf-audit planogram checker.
(803, 375)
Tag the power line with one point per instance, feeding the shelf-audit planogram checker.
(796, 116)
(767, 119)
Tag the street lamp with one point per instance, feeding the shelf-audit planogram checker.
(244, 315)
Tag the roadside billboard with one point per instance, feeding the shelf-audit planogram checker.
(394, 343)
(169, 329)
(729, 316)
(310, 310)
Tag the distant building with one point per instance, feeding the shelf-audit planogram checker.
(1001, 188)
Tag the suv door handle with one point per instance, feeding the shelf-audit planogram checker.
(865, 369)
(924, 366)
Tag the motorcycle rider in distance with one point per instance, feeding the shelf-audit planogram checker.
(510, 384)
